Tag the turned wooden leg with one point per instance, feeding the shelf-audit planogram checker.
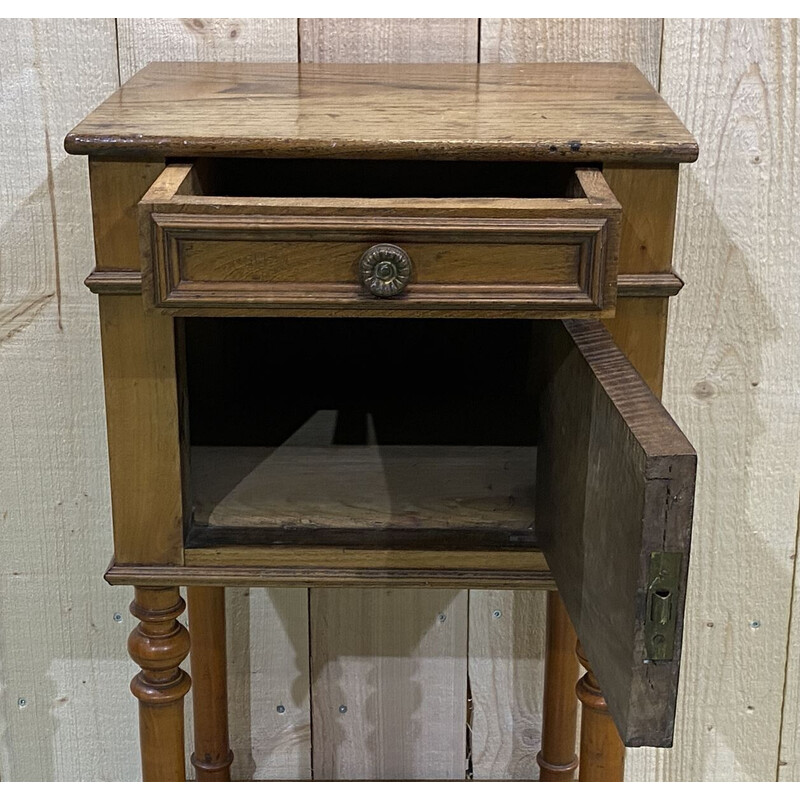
(158, 644)
(212, 755)
(602, 752)
(557, 759)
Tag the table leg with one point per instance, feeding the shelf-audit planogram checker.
(557, 759)
(212, 755)
(158, 644)
(602, 753)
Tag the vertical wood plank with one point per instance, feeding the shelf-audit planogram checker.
(521, 40)
(60, 647)
(388, 40)
(144, 40)
(789, 755)
(506, 671)
(731, 381)
(268, 668)
(389, 684)
(407, 679)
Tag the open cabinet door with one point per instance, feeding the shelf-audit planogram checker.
(614, 511)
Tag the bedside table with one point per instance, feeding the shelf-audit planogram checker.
(394, 326)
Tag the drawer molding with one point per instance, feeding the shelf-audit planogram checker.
(666, 284)
(472, 256)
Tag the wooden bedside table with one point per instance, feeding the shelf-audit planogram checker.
(351, 324)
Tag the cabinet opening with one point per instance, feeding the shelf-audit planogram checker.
(361, 433)
(354, 178)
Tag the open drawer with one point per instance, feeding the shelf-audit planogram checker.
(380, 239)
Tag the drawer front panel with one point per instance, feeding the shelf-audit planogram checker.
(224, 255)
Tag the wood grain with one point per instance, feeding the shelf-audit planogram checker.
(60, 648)
(536, 255)
(117, 187)
(367, 488)
(405, 40)
(528, 577)
(557, 758)
(142, 40)
(268, 668)
(143, 440)
(499, 111)
(212, 755)
(396, 662)
(731, 381)
(615, 484)
(506, 672)
(527, 40)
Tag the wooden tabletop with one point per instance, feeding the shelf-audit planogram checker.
(576, 112)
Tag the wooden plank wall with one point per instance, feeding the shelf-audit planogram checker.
(400, 660)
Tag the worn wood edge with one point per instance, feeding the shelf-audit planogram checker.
(666, 284)
(351, 558)
(144, 147)
(151, 575)
(121, 281)
(107, 281)
(626, 390)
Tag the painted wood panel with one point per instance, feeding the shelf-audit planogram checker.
(521, 40)
(366, 41)
(506, 673)
(268, 683)
(732, 380)
(144, 40)
(389, 690)
(61, 650)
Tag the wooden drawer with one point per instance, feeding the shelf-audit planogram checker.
(471, 256)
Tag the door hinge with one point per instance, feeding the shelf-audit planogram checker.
(662, 605)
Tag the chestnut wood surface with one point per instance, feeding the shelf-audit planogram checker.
(143, 434)
(557, 758)
(602, 754)
(368, 488)
(555, 255)
(452, 111)
(212, 755)
(158, 644)
(615, 484)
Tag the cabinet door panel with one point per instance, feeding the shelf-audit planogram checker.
(616, 490)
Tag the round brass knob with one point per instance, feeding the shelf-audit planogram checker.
(385, 270)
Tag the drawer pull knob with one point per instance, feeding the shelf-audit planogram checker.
(385, 270)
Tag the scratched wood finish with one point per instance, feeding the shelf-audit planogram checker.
(389, 683)
(366, 488)
(527, 40)
(501, 111)
(388, 40)
(609, 453)
(142, 41)
(731, 380)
